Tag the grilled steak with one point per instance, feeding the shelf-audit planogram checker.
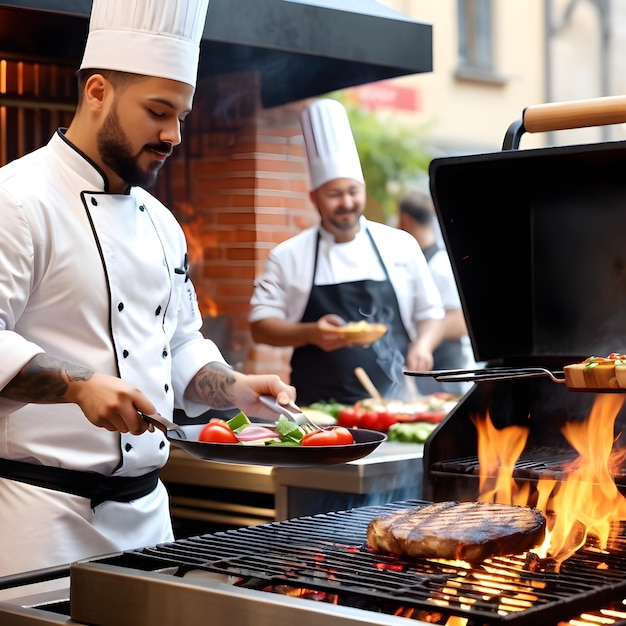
(467, 531)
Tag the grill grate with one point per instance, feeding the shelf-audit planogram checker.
(327, 553)
(533, 464)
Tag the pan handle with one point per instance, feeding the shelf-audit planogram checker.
(540, 118)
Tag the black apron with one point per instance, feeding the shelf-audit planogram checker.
(318, 375)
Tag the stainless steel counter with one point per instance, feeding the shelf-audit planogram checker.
(218, 494)
(392, 472)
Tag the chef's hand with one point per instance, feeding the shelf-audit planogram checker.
(419, 357)
(220, 387)
(106, 401)
(429, 336)
(325, 335)
(249, 387)
(111, 403)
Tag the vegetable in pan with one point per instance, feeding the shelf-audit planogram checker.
(218, 431)
(337, 436)
(240, 430)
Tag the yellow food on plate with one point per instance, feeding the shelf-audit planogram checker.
(362, 332)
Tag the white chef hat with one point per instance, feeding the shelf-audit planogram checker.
(150, 37)
(330, 146)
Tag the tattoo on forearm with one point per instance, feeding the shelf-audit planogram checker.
(213, 385)
(45, 380)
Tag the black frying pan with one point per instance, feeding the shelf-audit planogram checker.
(186, 437)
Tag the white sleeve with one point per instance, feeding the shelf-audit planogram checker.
(424, 298)
(16, 271)
(282, 291)
(190, 351)
(444, 279)
(269, 298)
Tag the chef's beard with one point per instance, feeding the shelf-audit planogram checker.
(347, 225)
(116, 152)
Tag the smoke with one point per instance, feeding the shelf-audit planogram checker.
(389, 358)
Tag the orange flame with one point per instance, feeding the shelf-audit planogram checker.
(586, 502)
(498, 451)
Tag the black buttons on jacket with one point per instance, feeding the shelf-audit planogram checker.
(158, 310)
(120, 306)
(94, 201)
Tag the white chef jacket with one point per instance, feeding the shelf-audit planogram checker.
(282, 291)
(443, 275)
(98, 280)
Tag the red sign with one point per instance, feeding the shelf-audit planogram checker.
(387, 95)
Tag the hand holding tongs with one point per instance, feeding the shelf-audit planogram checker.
(291, 412)
(489, 374)
(163, 424)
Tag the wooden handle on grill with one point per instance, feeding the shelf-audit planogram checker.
(541, 118)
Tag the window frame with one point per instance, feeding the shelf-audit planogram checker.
(476, 42)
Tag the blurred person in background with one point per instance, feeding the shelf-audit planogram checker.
(416, 215)
(346, 269)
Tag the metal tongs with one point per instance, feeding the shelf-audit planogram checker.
(291, 412)
(489, 374)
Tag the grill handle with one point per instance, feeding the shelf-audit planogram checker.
(541, 118)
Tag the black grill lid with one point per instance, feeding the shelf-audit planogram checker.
(537, 244)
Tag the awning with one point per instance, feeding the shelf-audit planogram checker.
(300, 48)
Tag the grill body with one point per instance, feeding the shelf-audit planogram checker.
(324, 557)
(534, 241)
(317, 569)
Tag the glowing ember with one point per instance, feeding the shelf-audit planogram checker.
(586, 502)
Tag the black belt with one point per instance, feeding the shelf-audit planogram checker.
(97, 487)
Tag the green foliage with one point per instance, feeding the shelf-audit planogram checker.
(393, 154)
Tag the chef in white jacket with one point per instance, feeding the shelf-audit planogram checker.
(98, 318)
(346, 269)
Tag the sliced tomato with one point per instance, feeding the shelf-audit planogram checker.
(385, 420)
(369, 420)
(334, 436)
(350, 417)
(217, 431)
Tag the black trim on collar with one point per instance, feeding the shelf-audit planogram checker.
(105, 180)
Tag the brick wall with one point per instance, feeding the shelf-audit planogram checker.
(238, 185)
